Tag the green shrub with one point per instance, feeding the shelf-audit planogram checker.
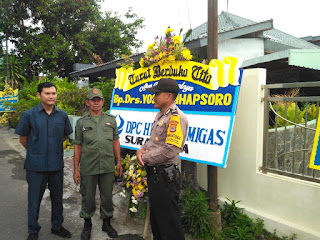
(291, 113)
(72, 101)
(69, 98)
(28, 91)
(311, 111)
(196, 214)
(295, 112)
(230, 212)
(238, 226)
(2, 85)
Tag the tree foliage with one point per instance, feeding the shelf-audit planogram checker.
(15, 71)
(52, 35)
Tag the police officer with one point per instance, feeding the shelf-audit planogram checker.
(42, 130)
(160, 156)
(96, 145)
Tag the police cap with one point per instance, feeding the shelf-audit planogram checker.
(165, 85)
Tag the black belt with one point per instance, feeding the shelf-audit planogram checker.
(153, 170)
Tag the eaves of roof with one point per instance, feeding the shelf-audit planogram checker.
(283, 38)
(103, 67)
(266, 58)
(233, 25)
(311, 38)
(254, 28)
(306, 58)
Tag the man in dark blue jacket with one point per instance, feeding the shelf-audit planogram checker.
(42, 130)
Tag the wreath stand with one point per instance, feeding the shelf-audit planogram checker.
(146, 222)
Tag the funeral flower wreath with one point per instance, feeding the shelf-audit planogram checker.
(135, 183)
(167, 48)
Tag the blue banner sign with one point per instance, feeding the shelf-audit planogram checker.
(11, 96)
(208, 96)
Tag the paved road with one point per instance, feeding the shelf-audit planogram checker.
(13, 200)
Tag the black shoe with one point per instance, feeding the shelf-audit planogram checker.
(106, 227)
(33, 236)
(61, 232)
(86, 231)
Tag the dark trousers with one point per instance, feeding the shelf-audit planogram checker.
(88, 188)
(37, 183)
(165, 216)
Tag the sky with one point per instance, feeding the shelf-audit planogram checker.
(299, 18)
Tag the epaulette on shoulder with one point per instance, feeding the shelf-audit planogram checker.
(174, 111)
(108, 114)
(84, 116)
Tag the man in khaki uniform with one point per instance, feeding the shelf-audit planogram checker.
(96, 146)
(160, 155)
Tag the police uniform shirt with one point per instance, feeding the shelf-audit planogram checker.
(167, 137)
(96, 138)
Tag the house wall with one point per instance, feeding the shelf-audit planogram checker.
(246, 48)
(286, 204)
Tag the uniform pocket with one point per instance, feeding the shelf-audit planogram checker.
(108, 128)
(108, 132)
(160, 129)
(88, 135)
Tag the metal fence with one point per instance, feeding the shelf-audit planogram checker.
(289, 130)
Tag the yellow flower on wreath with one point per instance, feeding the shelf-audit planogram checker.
(8, 90)
(176, 39)
(135, 181)
(169, 30)
(165, 49)
(171, 58)
(151, 46)
(135, 192)
(162, 61)
(161, 55)
(187, 54)
(140, 187)
(141, 62)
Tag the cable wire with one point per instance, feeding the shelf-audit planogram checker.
(313, 129)
(188, 13)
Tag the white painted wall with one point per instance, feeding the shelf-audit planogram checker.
(286, 204)
(245, 48)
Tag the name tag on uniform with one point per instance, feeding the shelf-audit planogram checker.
(86, 128)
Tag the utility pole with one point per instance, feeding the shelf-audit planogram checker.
(212, 53)
(7, 60)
